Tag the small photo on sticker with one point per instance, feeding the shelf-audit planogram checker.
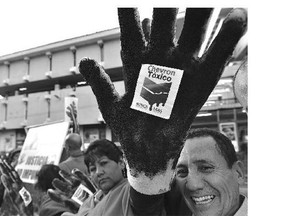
(81, 194)
(25, 195)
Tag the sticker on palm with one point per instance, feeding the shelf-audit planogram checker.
(152, 144)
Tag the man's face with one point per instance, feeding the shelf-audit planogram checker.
(108, 173)
(208, 186)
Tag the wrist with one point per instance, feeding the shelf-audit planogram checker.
(151, 185)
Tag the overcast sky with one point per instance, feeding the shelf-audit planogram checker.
(27, 24)
(30, 23)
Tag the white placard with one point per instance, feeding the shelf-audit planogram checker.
(156, 90)
(43, 145)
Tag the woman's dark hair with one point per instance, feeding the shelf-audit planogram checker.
(46, 175)
(223, 143)
(100, 148)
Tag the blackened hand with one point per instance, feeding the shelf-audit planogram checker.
(150, 143)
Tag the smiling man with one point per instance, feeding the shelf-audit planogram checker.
(209, 175)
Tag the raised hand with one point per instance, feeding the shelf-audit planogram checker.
(71, 112)
(20, 197)
(151, 144)
(64, 190)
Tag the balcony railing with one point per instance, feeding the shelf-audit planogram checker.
(220, 104)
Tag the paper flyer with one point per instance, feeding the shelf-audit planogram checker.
(26, 196)
(81, 194)
(156, 90)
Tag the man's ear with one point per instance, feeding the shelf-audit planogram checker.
(238, 168)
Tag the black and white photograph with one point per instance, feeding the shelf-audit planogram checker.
(130, 109)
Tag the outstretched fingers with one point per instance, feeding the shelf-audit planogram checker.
(101, 85)
(146, 26)
(13, 173)
(194, 29)
(85, 179)
(62, 186)
(221, 49)
(70, 178)
(7, 170)
(163, 28)
(132, 37)
(55, 195)
(60, 198)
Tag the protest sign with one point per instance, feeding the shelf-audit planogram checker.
(229, 130)
(43, 145)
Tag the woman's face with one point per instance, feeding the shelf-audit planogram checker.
(106, 172)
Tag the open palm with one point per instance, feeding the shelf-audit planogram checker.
(152, 144)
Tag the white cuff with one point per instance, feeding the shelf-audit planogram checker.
(158, 184)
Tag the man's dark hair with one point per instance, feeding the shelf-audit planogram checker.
(223, 143)
(46, 175)
(100, 148)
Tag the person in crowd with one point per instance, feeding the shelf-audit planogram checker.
(209, 175)
(20, 198)
(5, 202)
(46, 175)
(73, 145)
(107, 170)
(208, 179)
